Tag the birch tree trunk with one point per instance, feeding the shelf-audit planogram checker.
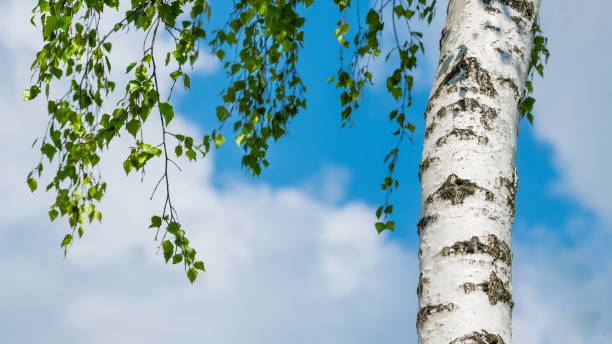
(468, 172)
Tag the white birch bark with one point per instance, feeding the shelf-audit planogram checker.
(468, 172)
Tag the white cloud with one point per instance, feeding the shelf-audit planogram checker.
(283, 265)
(562, 290)
(328, 185)
(573, 100)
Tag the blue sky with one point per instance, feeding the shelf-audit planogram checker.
(292, 256)
(317, 146)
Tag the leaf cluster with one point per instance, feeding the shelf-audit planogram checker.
(539, 57)
(352, 78)
(259, 48)
(77, 53)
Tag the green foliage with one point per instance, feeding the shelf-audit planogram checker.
(265, 90)
(264, 93)
(76, 51)
(354, 76)
(539, 57)
(259, 50)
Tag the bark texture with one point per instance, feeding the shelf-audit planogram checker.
(468, 172)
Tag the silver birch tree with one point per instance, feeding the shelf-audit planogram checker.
(468, 172)
(488, 50)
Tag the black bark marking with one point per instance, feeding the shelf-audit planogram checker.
(493, 10)
(424, 221)
(424, 165)
(422, 281)
(495, 289)
(518, 52)
(482, 337)
(444, 35)
(462, 134)
(457, 190)
(505, 55)
(524, 7)
(512, 85)
(510, 186)
(488, 114)
(441, 113)
(519, 21)
(493, 28)
(427, 311)
(430, 129)
(470, 71)
(494, 247)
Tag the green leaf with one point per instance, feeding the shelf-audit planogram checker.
(67, 240)
(192, 274)
(156, 222)
(130, 67)
(31, 93)
(177, 258)
(173, 228)
(167, 111)
(220, 54)
(219, 140)
(132, 127)
(390, 225)
(168, 248)
(191, 155)
(176, 74)
(199, 265)
(222, 113)
(53, 214)
(127, 166)
(178, 150)
(527, 105)
(147, 58)
(380, 227)
(32, 184)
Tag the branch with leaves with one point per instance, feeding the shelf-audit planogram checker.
(259, 47)
(353, 77)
